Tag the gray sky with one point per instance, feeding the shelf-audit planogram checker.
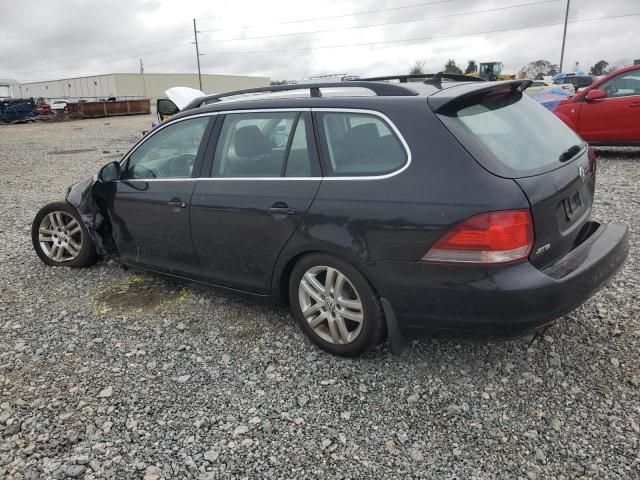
(55, 39)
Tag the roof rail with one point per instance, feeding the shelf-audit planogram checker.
(380, 89)
(429, 77)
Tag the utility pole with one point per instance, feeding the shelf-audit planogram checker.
(195, 34)
(144, 83)
(564, 34)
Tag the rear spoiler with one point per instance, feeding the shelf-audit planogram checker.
(461, 93)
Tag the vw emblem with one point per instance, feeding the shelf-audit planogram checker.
(331, 304)
(582, 172)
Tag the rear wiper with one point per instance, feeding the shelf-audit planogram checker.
(569, 153)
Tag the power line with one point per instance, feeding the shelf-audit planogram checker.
(92, 57)
(366, 12)
(171, 60)
(419, 39)
(68, 63)
(114, 60)
(155, 64)
(384, 23)
(375, 43)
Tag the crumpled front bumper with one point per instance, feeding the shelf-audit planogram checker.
(81, 196)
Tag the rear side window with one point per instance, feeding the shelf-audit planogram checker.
(509, 133)
(359, 144)
(263, 144)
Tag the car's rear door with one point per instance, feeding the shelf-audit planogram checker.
(151, 203)
(263, 175)
(615, 118)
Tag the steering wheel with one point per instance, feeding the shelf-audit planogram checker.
(151, 172)
(611, 90)
(181, 166)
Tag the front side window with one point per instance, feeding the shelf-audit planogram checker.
(263, 144)
(623, 85)
(168, 153)
(360, 144)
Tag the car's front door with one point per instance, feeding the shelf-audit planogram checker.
(150, 209)
(263, 178)
(615, 118)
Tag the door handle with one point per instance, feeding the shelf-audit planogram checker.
(635, 104)
(281, 209)
(176, 203)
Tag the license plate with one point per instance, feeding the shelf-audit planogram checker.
(572, 205)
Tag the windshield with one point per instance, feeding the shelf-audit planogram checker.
(511, 134)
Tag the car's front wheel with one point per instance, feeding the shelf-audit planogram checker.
(335, 305)
(60, 238)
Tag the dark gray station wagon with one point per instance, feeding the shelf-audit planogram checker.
(372, 208)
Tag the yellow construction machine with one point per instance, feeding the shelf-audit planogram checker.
(491, 71)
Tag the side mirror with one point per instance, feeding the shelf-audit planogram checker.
(595, 95)
(110, 172)
(166, 108)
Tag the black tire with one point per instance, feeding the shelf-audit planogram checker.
(373, 329)
(87, 252)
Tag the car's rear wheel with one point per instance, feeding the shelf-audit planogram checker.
(60, 237)
(335, 305)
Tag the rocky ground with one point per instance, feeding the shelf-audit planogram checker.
(111, 374)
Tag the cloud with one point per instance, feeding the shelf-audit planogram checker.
(43, 40)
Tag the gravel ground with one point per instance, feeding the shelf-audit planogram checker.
(106, 373)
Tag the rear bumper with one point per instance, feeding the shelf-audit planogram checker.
(450, 297)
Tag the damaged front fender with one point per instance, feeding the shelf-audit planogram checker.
(88, 197)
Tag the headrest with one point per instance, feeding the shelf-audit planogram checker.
(250, 142)
(363, 138)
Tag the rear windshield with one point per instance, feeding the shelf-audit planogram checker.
(511, 134)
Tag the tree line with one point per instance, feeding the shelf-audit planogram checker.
(534, 70)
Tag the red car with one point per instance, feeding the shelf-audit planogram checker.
(608, 111)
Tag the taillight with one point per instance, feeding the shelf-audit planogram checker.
(489, 238)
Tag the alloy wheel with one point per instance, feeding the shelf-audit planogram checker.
(331, 305)
(60, 236)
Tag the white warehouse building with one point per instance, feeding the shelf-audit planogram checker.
(134, 85)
